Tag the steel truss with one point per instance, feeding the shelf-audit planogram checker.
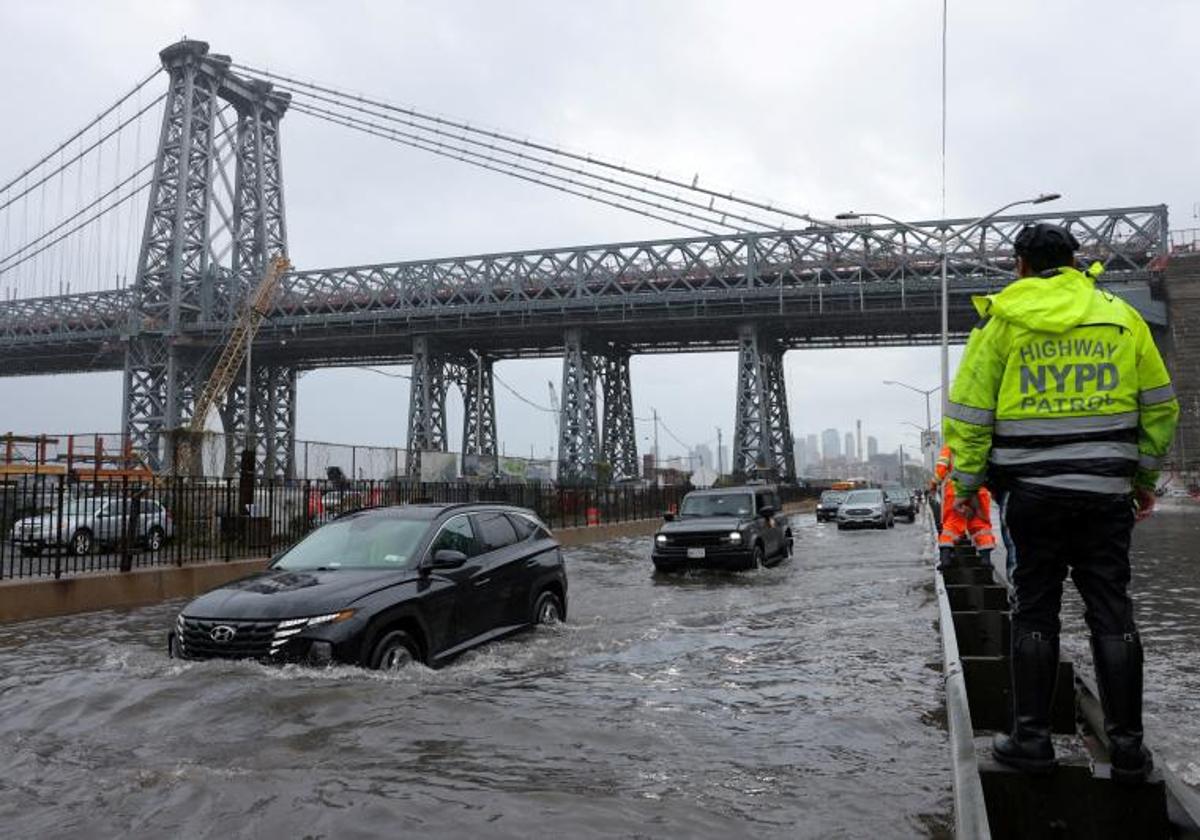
(433, 373)
(618, 437)
(578, 436)
(815, 270)
(762, 441)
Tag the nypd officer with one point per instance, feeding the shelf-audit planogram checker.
(1063, 403)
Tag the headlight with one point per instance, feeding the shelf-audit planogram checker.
(660, 539)
(735, 536)
(290, 627)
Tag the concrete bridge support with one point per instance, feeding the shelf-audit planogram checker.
(762, 442)
(618, 437)
(578, 437)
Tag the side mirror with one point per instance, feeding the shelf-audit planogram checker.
(668, 516)
(447, 558)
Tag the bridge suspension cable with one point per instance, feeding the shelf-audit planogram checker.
(434, 123)
(512, 157)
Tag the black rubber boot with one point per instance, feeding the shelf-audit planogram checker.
(1118, 661)
(1034, 670)
(945, 557)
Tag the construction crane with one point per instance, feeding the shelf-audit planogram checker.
(233, 355)
(557, 417)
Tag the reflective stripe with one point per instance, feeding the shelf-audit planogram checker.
(1066, 452)
(970, 414)
(1067, 425)
(966, 479)
(1109, 485)
(1150, 462)
(1161, 394)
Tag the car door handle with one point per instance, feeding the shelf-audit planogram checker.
(483, 581)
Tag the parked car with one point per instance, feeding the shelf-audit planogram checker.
(903, 503)
(730, 528)
(865, 509)
(91, 521)
(828, 504)
(385, 587)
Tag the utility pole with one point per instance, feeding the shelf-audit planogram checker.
(655, 410)
(902, 464)
(720, 453)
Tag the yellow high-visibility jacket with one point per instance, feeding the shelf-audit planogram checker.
(1061, 387)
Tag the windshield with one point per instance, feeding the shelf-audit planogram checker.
(833, 496)
(865, 497)
(718, 504)
(360, 542)
(84, 507)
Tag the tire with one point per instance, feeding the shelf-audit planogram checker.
(841, 527)
(156, 537)
(891, 523)
(81, 542)
(912, 517)
(395, 651)
(547, 609)
(758, 557)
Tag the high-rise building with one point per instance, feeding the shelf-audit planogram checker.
(702, 456)
(831, 444)
(872, 447)
(858, 450)
(850, 446)
(801, 454)
(812, 444)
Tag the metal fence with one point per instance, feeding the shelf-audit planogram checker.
(51, 525)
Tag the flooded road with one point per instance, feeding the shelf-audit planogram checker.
(792, 702)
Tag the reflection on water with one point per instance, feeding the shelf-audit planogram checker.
(791, 702)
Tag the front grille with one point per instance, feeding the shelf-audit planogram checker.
(251, 639)
(860, 512)
(695, 540)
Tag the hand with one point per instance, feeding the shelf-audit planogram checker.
(967, 506)
(1143, 501)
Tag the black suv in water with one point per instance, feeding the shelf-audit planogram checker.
(902, 501)
(730, 528)
(384, 587)
(828, 505)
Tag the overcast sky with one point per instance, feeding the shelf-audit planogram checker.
(820, 106)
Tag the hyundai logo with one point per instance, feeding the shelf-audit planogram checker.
(223, 633)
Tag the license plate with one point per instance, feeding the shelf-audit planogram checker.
(695, 553)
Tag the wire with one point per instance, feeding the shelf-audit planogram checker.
(77, 228)
(83, 130)
(589, 159)
(82, 151)
(500, 168)
(463, 138)
(521, 396)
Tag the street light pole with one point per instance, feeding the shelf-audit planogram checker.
(928, 414)
(944, 242)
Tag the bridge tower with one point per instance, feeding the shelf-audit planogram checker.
(762, 442)
(177, 264)
(433, 372)
(174, 255)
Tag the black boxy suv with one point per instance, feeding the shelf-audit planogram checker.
(385, 587)
(730, 528)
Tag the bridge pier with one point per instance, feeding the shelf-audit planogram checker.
(426, 405)
(762, 443)
(578, 436)
(618, 438)
(476, 381)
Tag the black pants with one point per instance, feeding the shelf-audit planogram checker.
(1091, 538)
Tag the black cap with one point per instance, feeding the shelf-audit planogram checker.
(1044, 238)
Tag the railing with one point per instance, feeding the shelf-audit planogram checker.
(51, 526)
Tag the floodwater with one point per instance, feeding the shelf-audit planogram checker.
(791, 702)
(799, 701)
